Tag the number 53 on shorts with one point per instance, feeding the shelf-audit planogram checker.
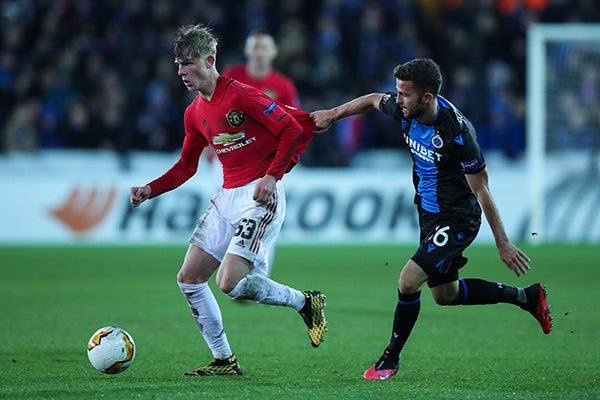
(246, 228)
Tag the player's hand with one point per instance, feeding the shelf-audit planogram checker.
(322, 119)
(514, 258)
(264, 190)
(139, 194)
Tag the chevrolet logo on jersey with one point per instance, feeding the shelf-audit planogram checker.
(226, 139)
(236, 118)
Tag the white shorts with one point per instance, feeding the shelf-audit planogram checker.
(234, 223)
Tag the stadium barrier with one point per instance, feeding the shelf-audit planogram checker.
(62, 197)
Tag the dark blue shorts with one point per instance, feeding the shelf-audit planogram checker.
(443, 240)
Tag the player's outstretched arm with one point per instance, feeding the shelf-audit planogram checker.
(323, 119)
(510, 254)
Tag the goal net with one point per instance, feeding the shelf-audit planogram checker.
(563, 132)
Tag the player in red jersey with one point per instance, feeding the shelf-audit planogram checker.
(260, 51)
(257, 140)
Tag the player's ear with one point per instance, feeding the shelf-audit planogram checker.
(209, 61)
(428, 97)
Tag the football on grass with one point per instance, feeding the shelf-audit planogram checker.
(111, 350)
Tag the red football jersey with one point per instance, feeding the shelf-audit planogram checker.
(252, 135)
(275, 85)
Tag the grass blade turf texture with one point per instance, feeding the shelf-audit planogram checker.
(54, 298)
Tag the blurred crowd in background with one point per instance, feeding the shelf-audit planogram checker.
(91, 74)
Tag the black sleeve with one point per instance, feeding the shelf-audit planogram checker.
(469, 153)
(388, 106)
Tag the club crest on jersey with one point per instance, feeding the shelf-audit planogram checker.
(436, 141)
(236, 118)
(225, 138)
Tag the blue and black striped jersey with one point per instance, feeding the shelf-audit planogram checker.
(442, 154)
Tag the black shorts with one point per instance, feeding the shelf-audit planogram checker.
(443, 240)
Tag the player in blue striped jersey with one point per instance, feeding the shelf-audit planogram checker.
(451, 184)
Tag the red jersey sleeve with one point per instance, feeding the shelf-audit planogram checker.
(187, 165)
(308, 134)
(289, 139)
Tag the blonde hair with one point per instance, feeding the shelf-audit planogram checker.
(192, 41)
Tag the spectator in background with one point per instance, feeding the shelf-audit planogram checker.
(258, 71)
(79, 129)
(157, 123)
(321, 42)
(20, 133)
(503, 129)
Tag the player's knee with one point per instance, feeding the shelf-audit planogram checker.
(226, 285)
(407, 285)
(195, 273)
(444, 299)
(445, 294)
(412, 278)
(184, 277)
(226, 288)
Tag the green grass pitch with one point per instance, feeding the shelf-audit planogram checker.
(53, 298)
